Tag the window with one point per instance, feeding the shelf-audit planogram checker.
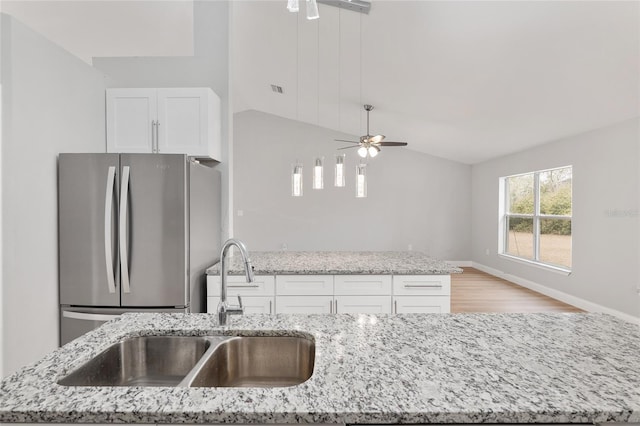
(536, 219)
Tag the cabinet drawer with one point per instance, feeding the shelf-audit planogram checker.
(363, 305)
(421, 304)
(262, 285)
(252, 304)
(362, 285)
(422, 285)
(308, 285)
(304, 304)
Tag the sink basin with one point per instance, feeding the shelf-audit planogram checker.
(141, 361)
(257, 361)
(207, 361)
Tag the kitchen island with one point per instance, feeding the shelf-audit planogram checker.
(340, 263)
(369, 369)
(329, 282)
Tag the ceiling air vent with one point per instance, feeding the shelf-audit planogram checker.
(277, 89)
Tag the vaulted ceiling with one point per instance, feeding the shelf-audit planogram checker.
(467, 81)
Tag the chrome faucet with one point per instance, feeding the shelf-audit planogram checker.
(224, 309)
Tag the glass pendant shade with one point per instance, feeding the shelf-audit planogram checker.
(312, 9)
(373, 151)
(296, 180)
(293, 6)
(362, 152)
(339, 175)
(361, 181)
(318, 178)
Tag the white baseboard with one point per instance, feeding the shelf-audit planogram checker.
(556, 294)
(460, 263)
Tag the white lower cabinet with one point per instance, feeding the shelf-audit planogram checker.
(330, 294)
(304, 304)
(258, 297)
(252, 304)
(362, 305)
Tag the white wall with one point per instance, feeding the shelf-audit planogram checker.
(605, 214)
(110, 28)
(52, 102)
(209, 67)
(413, 198)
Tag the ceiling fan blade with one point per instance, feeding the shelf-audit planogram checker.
(347, 147)
(376, 139)
(342, 140)
(392, 144)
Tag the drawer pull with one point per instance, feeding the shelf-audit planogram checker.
(423, 286)
(242, 286)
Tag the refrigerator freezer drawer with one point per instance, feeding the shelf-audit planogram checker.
(74, 322)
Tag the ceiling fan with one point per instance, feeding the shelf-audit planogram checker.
(370, 145)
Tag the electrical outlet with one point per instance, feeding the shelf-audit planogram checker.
(410, 247)
(487, 252)
(240, 213)
(283, 247)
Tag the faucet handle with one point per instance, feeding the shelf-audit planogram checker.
(240, 301)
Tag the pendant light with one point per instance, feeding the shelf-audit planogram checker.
(339, 180)
(296, 180)
(318, 178)
(312, 8)
(361, 180)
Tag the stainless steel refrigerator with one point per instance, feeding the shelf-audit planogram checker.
(136, 233)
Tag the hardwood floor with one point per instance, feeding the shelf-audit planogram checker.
(476, 291)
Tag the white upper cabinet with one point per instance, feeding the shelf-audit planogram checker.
(131, 115)
(168, 121)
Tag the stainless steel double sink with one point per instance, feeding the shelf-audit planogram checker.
(199, 361)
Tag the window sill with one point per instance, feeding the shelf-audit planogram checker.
(557, 269)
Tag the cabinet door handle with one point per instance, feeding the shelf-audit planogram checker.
(336, 302)
(330, 306)
(157, 137)
(270, 306)
(395, 306)
(153, 136)
(242, 286)
(423, 286)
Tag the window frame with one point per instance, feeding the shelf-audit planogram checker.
(536, 218)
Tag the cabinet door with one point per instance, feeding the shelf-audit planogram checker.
(252, 305)
(304, 304)
(421, 304)
(363, 305)
(189, 122)
(130, 117)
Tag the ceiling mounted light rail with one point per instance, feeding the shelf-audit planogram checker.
(361, 6)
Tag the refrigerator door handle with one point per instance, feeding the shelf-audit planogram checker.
(124, 258)
(88, 317)
(108, 244)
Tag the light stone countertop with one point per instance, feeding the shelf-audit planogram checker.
(429, 368)
(339, 263)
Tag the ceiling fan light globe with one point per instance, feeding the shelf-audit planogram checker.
(373, 151)
(362, 152)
